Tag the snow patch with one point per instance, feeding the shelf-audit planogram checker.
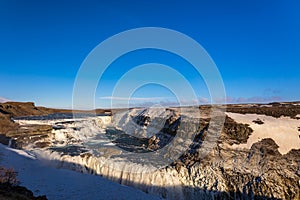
(284, 130)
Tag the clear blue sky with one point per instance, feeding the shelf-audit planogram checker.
(255, 44)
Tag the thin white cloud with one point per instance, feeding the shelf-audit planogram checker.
(203, 100)
(134, 98)
(150, 101)
(169, 101)
(259, 99)
(163, 103)
(255, 99)
(3, 100)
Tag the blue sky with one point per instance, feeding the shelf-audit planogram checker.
(255, 45)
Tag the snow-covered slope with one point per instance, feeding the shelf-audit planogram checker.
(62, 184)
(283, 130)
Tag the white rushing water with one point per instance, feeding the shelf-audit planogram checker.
(82, 145)
(10, 142)
(133, 147)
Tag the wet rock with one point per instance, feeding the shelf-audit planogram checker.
(42, 144)
(29, 134)
(4, 139)
(71, 150)
(109, 151)
(153, 143)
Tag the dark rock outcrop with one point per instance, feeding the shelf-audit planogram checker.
(273, 109)
(9, 192)
(258, 121)
(235, 133)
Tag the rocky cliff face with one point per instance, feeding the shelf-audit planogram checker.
(260, 173)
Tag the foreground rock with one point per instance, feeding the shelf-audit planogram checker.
(9, 192)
